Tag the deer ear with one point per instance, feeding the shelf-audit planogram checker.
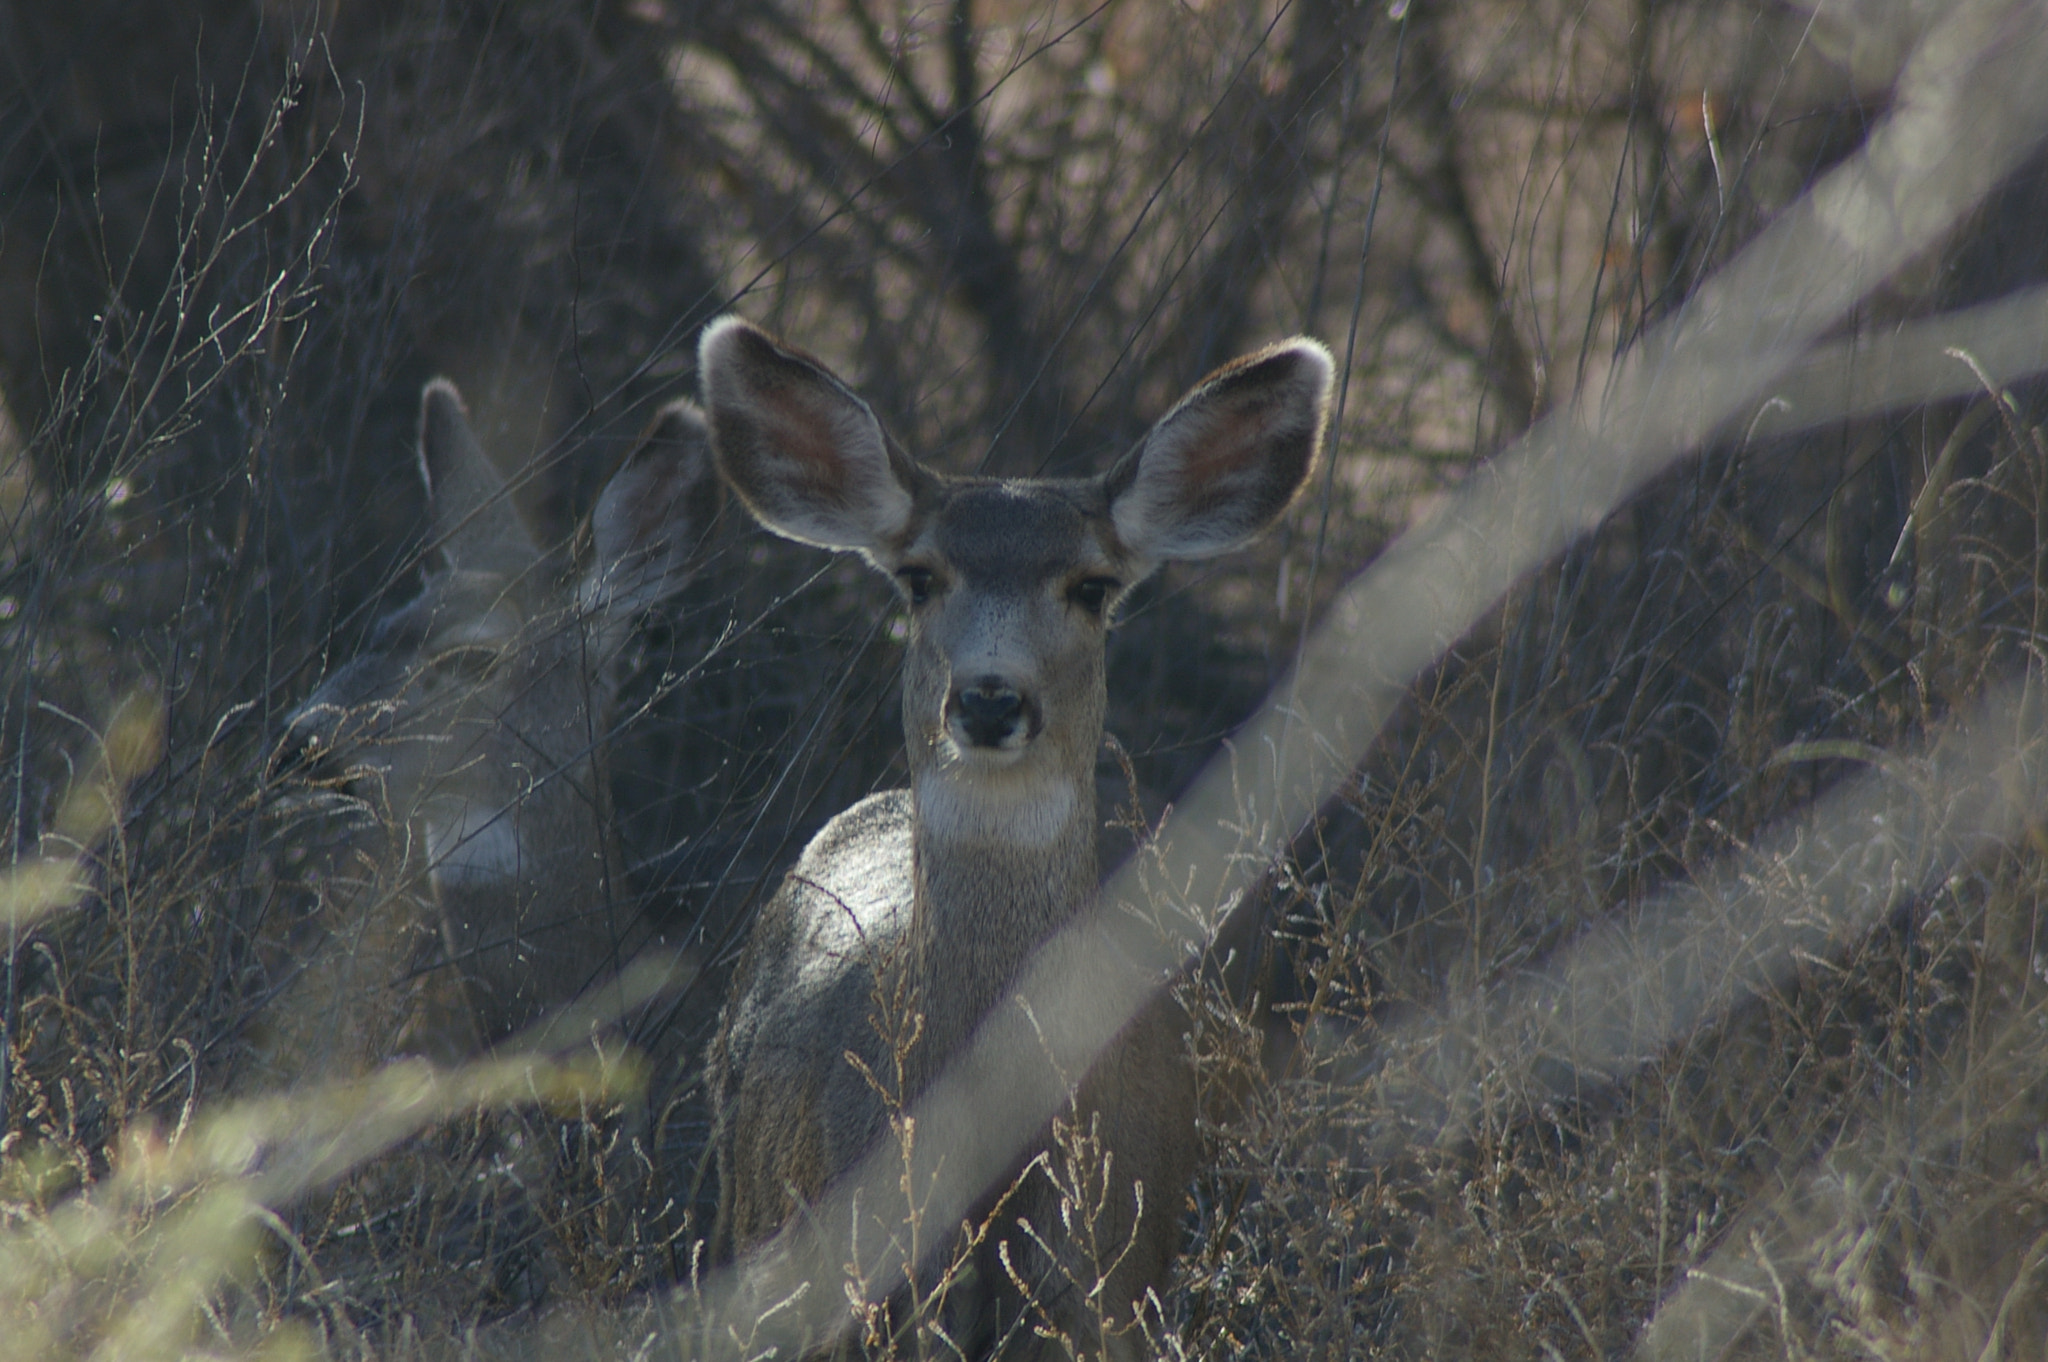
(475, 524)
(803, 451)
(652, 515)
(1219, 468)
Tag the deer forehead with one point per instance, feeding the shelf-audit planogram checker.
(467, 609)
(1016, 536)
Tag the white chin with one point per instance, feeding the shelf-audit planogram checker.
(475, 848)
(954, 753)
(958, 801)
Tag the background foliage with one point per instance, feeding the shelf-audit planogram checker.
(237, 237)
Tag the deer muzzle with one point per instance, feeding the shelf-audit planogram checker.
(991, 714)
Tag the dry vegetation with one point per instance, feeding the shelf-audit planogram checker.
(237, 237)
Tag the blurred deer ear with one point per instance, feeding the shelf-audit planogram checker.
(803, 451)
(653, 514)
(1219, 468)
(475, 524)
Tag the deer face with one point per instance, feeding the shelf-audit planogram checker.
(1010, 584)
(466, 720)
(1010, 588)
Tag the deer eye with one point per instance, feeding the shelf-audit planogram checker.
(1092, 593)
(917, 583)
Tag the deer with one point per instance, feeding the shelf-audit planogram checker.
(472, 724)
(941, 893)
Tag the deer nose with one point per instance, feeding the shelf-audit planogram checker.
(991, 713)
(307, 744)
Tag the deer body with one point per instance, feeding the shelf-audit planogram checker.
(910, 917)
(472, 724)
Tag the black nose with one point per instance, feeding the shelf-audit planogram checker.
(306, 747)
(990, 712)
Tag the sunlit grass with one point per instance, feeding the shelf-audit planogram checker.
(1652, 957)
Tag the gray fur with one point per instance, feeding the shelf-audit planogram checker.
(472, 724)
(930, 901)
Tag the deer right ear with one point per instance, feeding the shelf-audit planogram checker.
(802, 451)
(652, 515)
(475, 523)
(1220, 467)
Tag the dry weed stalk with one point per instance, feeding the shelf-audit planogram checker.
(1490, 198)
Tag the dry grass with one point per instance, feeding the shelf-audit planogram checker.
(232, 250)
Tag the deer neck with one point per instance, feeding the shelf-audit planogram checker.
(996, 876)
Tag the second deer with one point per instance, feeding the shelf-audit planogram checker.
(939, 895)
(472, 724)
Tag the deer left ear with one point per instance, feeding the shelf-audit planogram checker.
(799, 446)
(1219, 468)
(475, 523)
